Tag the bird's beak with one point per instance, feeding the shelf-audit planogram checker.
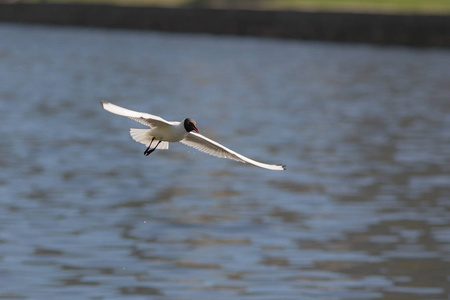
(195, 128)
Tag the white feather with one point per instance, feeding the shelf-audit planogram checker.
(143, 136)
(165, 131)
(204, 144)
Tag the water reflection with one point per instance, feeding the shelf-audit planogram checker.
(361, 213)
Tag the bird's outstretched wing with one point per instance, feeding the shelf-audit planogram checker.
(211, 147)
(143, 118)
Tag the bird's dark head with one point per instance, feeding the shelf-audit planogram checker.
(189, 125)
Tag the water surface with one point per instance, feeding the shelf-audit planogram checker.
(361, 213)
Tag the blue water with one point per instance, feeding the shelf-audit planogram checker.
(361, 213)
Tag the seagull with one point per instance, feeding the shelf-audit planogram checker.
(163, 132)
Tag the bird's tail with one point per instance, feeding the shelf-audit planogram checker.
(143, 136)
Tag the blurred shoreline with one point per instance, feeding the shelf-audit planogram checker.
(417, 30)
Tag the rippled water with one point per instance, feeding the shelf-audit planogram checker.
(361, 213)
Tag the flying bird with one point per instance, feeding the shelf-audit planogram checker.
(163, 132)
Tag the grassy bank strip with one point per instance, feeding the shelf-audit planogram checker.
(421, 30)
(379, 6)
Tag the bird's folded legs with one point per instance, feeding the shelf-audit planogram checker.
(148, 150)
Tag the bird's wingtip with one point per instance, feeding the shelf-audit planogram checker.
(102, 102)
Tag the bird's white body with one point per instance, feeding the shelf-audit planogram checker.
(163, 132)
(171, 134)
